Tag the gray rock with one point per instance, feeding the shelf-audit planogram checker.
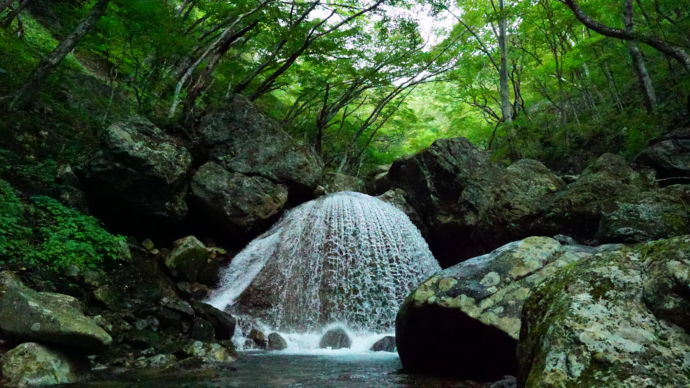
(333, 182)
(222, 322)
(202, 330)
(469, 314)
(244, 203)
(258, 338)
(611, 320)
(385, 344)
(244, 140)
(32, 364)
(335, 339)
(47, 317)
(139, 173)
(669, 156)
(187, 258)
(276, 342)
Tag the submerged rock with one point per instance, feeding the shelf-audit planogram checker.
(617, 319)
(469, 314)
(210, 352)
(32, 364)
(276, 342)
(385, 344)
(335, 339)
(47, 317)
(345, 257)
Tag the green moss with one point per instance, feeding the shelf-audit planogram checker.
(41, 232)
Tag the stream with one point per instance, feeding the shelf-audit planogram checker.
(279, 369)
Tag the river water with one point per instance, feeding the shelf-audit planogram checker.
(279, 369)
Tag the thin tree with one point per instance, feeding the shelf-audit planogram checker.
(673, 51)
(50, 62)
(643, 76)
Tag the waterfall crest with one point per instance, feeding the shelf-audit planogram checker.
(345, 257)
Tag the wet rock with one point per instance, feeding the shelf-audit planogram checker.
(157, 361)
(611, 320)
(396, 197)
(241, 202)
(194, 290)
(276, 342)
(202, 330)
(377, 181)
(385, 344)
(187, 258)
(223, 323)
(32, 364)
(178, 305)
(469, 314)
(210, 352)
(245, 141)
(669, 156)
(258, 338)
(138, 174)
(46, 317)
(335, 339)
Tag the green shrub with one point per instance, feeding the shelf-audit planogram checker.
(43, 232)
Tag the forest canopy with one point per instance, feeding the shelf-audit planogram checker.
(364, 82)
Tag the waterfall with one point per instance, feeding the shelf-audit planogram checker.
(345, 257)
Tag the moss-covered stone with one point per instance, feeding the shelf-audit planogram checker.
(611, 320)
(32, 364)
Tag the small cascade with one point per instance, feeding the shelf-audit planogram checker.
(346, 257)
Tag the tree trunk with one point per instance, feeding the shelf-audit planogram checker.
(676, 52)
(506, 110)
(643, 76)
(48, 64)
(14, 13)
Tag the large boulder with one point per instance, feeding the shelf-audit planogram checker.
(469, 314)
(333, 182)
(242, 203)
(577, 209)
(46, 317)
(647, 215)
(244, 140)
(32, 364)
(138, 174)
(335, 339)
(276, 342)
(451, 185)
(617, 319)
(669, 156)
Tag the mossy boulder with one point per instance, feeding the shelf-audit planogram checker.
(187, 258)
(669, 156)
(46, 317)
(336, 338)
(616, 319)
(32, 364)
(465, 320)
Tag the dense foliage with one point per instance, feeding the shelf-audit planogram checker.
(361, 81)
(43, 232)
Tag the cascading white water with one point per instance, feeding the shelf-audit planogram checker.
(345, 257)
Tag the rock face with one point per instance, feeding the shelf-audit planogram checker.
(669, 156)
(138, 174)
(32, 364)
(459, 192)
(335, 339)
(617, 319)
(240, 202)
(469, 314)
(469, 205)
(333, 182)
(243, 140)
(47, 317)
(385, 344)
